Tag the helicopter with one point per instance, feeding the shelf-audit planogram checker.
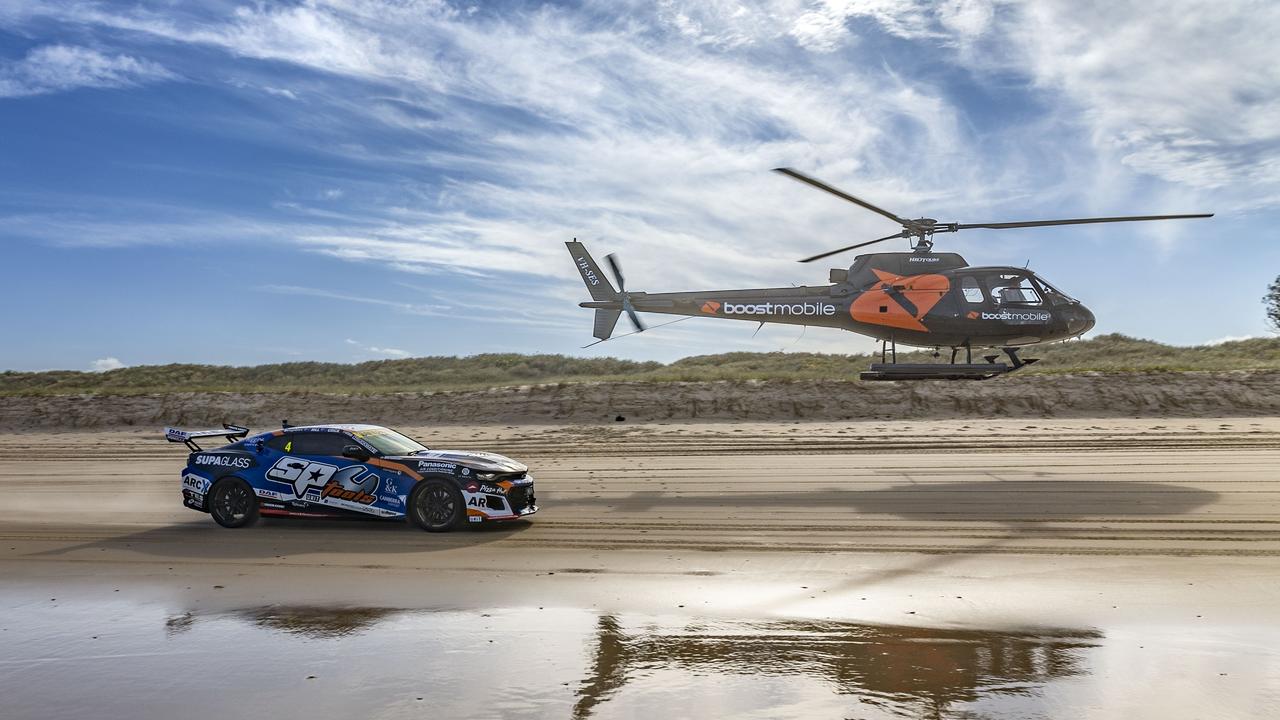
(919, 298)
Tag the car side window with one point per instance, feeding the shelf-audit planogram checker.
(282, 443)
(320, 443)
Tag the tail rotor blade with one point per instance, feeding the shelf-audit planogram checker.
(635, 319)
(616, 267)
(627, 307)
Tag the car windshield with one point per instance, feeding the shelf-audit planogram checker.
(390, 442)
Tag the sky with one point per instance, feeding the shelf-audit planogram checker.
(346, 180)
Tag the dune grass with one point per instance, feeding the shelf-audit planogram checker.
(1106, 353)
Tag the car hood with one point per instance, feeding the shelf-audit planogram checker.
(481, 461)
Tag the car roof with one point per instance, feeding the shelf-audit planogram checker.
(349, 427)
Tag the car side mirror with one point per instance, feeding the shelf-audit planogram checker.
(355, 452)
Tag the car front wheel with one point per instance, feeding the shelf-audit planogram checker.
(436, 506)
(233, 504)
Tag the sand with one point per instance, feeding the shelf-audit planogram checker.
(1115, 543)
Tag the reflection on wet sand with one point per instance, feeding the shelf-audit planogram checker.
(917, 670)
(312, 621)
(920, 672)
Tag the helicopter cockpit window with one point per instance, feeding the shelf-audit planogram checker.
(1052, 292)
(1009, 289)
(972, 292)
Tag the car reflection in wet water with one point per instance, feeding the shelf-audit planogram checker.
(629, 666)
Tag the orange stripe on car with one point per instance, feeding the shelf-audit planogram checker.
(389, 465)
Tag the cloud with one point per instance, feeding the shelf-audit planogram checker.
(571, 127)
(1232, 338)
(410, 308)
(53, 68)
(389, 352)
(1188, 95)
(105, 364)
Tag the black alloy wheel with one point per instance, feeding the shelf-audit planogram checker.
(233, 504)
(436, 506)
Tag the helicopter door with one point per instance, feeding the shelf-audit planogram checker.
(1016, 290)
(971, 291)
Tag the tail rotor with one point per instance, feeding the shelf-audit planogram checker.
(616, 268)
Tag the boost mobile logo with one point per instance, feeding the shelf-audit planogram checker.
(1017, 316)
(779, 309)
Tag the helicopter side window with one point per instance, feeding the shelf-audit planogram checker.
(1014, 290)
(971, 290)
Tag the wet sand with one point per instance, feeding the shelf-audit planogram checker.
(1057, 568)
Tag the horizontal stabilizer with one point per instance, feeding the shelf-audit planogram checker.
(605, 322)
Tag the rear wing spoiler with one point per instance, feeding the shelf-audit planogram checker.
(187, 437)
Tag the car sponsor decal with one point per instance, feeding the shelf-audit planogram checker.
(195, 483)
(301, 474)
(322, 482)
(433, 466)
(240, 462)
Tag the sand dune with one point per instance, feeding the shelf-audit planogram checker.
(1173, 395)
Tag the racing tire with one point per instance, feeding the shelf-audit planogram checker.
(232, 503)
(436, 506)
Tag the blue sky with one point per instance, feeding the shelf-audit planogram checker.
(239, 183)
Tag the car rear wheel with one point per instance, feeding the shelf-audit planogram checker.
(436, 506)
(233, 504)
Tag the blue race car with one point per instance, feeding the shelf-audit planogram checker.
(329, 471)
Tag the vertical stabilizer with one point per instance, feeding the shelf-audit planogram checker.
(597, 284)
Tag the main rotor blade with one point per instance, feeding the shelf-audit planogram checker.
(851, 247)
(1076, 221)
(616, 267)
(796, 174)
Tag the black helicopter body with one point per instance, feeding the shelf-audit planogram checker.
(919, 298)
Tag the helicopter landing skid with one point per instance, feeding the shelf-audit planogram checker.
(947, 371)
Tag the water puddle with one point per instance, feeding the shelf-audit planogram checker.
(85, 659)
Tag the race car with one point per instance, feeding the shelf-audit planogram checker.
(330, 471)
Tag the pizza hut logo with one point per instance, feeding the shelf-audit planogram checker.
(710, 307)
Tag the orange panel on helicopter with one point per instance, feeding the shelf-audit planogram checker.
(883, 305)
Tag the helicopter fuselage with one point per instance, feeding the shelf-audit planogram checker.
(920, 299)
